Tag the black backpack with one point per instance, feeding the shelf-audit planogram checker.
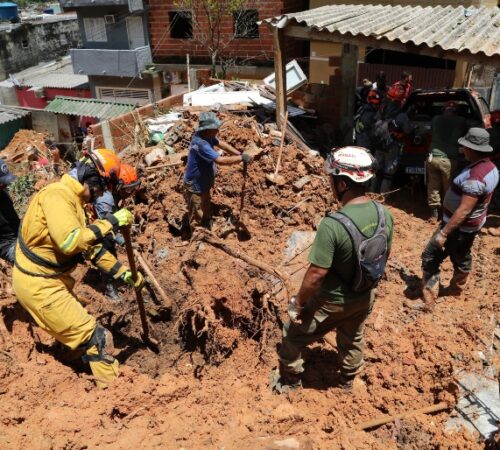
(371, 253)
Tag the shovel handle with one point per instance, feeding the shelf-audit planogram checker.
(138, 293)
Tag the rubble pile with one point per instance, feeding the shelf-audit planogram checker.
(23, 141)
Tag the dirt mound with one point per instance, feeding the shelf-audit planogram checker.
(208, 388)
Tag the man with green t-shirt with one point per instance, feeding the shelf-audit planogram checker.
(442, 165)
(329, 297)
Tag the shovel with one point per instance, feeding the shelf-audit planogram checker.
(150, 342)
(275, 178)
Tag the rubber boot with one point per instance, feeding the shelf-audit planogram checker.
(457, 283)
(430, 290)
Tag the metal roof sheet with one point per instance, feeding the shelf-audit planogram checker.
(88, 107)
(54, 74)
(9, 114)
(56, 80)
(476, 30)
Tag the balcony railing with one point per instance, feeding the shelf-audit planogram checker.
(120, 63)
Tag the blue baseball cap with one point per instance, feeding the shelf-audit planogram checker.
(5, 176)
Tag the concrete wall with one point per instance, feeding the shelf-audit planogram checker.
(42, 41)
(55, 126)
(259, 50)
(116, 33)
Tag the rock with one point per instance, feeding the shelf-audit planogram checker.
(298, 241)
(299, 185)
(154, 156)
(290, 443)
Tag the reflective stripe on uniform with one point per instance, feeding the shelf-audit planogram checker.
(71, 241)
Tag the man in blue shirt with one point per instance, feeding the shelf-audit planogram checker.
(201, 167)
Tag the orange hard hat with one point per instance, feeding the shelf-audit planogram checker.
(396, 93)
(128, 176)
(107, 163)
(495, 116)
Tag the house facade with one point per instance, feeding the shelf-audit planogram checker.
(175, 32)
(115, 52)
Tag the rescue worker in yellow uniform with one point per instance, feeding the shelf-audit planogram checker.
(54, 236)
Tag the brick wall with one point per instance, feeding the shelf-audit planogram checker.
(170, 50)
(122, 128)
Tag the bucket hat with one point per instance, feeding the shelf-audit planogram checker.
(5, 176)
(208, 121)
(477, 139)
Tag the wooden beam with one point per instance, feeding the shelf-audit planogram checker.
(280, 75)
(301, 32)
(348, 71)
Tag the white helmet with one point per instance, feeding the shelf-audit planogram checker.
(353, 162)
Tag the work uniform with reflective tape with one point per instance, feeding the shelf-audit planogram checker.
(53, 237)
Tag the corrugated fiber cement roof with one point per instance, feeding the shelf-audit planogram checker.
(476, 30)
(9, 114)
(88, 107)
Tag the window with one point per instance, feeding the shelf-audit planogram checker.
(138, 96)
(245, 24)
(181, 24)
(95, 29)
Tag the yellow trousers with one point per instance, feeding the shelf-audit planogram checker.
(51, 302)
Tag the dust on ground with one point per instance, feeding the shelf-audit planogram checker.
(208, 388)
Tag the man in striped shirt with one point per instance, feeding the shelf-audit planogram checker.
(465, 208)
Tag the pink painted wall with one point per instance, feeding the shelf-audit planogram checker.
(27, 98)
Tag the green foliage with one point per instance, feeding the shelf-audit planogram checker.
(21, 190)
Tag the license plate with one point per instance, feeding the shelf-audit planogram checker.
(415, 170)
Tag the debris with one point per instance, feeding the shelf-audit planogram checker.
(478, 405)
(443, 406)
(155, 156)
(295, 77)
(167, 302)
(275, 178)
(299, 185)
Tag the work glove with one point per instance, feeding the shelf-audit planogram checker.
(129, 279)
(124, 217)
(439, 239)
(246, 158)
(294, 311)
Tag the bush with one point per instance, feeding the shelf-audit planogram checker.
(21, 190)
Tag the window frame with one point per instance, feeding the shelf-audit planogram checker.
(183, 15)
(90, 27)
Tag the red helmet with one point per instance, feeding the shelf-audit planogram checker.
(373, 97)
(396, 93)
(495, 116)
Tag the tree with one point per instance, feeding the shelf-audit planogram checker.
(210, 19)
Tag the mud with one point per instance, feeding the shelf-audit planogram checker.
(208, 388)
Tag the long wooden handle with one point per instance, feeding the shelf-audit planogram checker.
(387, 419)
(282, 143)
(166, 300)
(138, 293)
